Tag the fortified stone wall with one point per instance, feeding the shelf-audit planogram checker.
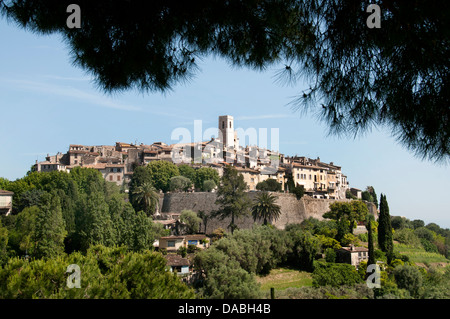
(292, 210)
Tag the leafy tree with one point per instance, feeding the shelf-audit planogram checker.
(409, 278)
(3, 243)
(50, 230)
(305, 246)
(371, 260)
(209, 185)
(141, 175)
(93, 222)
(347, 214)
(180, 184)
(23, 236)
(30, 198)
(147, 197)
(335, 275)
(330, 255)
(89, 180)
(204, 174)
(265, 207)
(187, 171)
(417, 223)
(106, 273)
(385, 240)
(223, 277)
(4, 183)
(269, 185)
(231, 196)
(398, 222)
(191, 221)
(143, 232)
(161, 172)
(359, 76)
(298, 191)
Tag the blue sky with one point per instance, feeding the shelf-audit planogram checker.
(46, 104)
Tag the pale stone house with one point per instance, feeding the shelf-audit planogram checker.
(5, 202)
(173, 243)
(352, 255)
(178, 264)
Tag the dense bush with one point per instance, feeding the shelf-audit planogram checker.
(105, 273)
(335, 275)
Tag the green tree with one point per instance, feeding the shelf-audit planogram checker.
(191, 221)
(223, 277)
(50, 230)
(180, 184)
(305, 246)
(209, 185)
(409, 278)
(143, 232)
(385, 240)
(335, 275)
(347, 214)
(141, 175)
(106, 273)
(204, 174)
(231, 197)
(3, 244)
(89, 180)
(24, 234)
(147, 197)
(269, 185)
(187, 171)
(93, 222)
(371, 260)
(161, 172)
(265, 207)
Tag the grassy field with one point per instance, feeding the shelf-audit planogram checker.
(419, 255)
(282, 278)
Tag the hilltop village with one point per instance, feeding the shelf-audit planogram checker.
(256, 164)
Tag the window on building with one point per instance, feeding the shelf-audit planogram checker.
(110, 178)
(223, 125)
(118, 178)
(171, 243)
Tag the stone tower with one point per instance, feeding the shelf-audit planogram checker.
(226, 128)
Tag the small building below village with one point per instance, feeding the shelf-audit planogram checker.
(352, 255)
(5, 202)
(178, 264)
(173, 243)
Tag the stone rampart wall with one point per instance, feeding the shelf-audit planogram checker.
(292, 210)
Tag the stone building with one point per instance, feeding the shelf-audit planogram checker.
(352, 255)
(5, 202)
(116, 162)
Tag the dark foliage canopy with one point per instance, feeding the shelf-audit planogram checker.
(360, 77)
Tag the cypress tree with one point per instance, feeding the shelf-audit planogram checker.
(385, 229)
(370, 244)
(50, 228)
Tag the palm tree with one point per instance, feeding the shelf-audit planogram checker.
(148, 197)
(264, 207)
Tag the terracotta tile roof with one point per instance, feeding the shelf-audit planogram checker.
(3, 192)
(176, 260)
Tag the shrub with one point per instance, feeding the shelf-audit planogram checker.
(335, 275)
(330, 255)
(180, 184)
(209, 185)
(409, 278)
